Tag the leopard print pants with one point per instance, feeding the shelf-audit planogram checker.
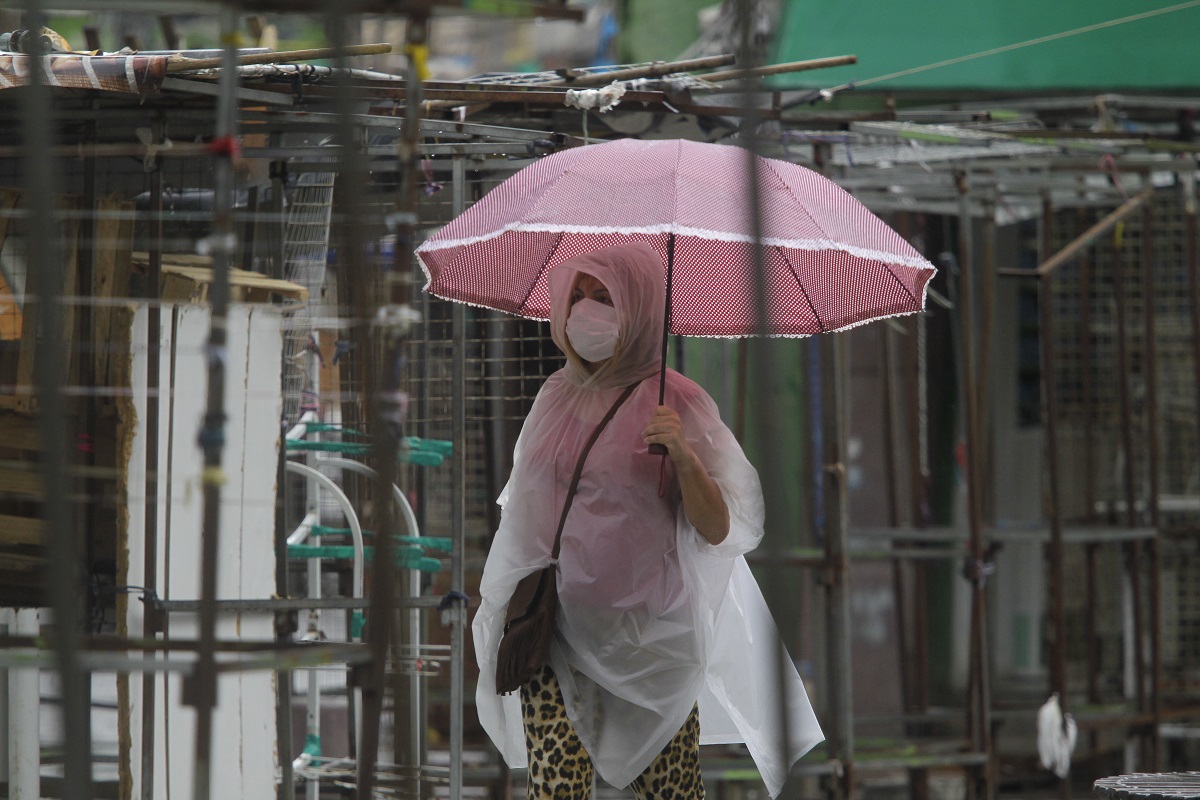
(561, 769)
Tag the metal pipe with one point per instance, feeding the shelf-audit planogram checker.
(979, 711)
(151, 622)
(1086, 358)
(1118, 288)
(457, 608)
(1058, 664)
(1150, 361)
(24, 754)
(285, 627)
(1150, 365)
(201, 690)
(7, 734)
(987, 301)
(63, 583)
(914, 373)
(837, 565)
(1132, 559)
(1193, 269)
(892, 467)
(750, 55)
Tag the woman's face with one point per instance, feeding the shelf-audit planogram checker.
(590, 287)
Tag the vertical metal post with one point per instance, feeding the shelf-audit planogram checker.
(750, 55)
(24, 711)
(837, 565)
(1058, 666)
(200, 689)
(285, 626)
(915, 376)
(1086, 357)
(1193, 270)
(979, 705)
(151, 620)
(1150, 363)
(1132, 560)
(1091, 550)
(987, 294)
(361, 284)
(891, 464)
(457, 608)
(1150, 360)
(63, 586)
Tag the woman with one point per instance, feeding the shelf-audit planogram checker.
(658, 612)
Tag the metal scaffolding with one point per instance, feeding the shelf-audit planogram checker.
(306, 187)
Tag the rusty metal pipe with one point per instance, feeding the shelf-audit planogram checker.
(1058, 665)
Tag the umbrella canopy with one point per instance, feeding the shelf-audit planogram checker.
(830, 263)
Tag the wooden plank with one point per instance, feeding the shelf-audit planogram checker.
(21, 562)
(20, 530)
(250, 285)
(19, 432)
(142, 258)
(69, 312)
(124, 267)
(21, 582)
(177, 288)
(20, 482)
(104, 279)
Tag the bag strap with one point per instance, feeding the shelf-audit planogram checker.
(579, 467)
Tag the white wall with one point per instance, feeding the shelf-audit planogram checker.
(244, 752)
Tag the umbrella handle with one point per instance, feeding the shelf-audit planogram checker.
(659, 449)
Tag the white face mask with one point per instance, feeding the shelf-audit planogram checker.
(592, 330)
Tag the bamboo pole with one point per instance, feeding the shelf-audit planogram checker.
(183, 64)
(1086, 238)
(656, 69)
(778, 69)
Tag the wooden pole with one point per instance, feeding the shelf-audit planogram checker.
(183, 64)
(778, 69)
(1086, 238)
(656, 69)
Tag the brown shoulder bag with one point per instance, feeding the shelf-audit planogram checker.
(529, 620)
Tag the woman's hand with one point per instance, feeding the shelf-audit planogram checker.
(665, 428)
(702, 500)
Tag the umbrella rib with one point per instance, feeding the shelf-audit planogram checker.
(896, 278)
(533, 284)
(770, 166)
(800, 284)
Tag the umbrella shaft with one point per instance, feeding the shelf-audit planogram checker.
(662, 375)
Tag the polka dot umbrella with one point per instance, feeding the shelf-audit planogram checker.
(830, 264)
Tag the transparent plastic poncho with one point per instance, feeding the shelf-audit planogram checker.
(652, 618)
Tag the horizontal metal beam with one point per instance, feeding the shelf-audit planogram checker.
(273, 604)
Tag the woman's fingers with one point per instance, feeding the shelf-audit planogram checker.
(664, 428)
